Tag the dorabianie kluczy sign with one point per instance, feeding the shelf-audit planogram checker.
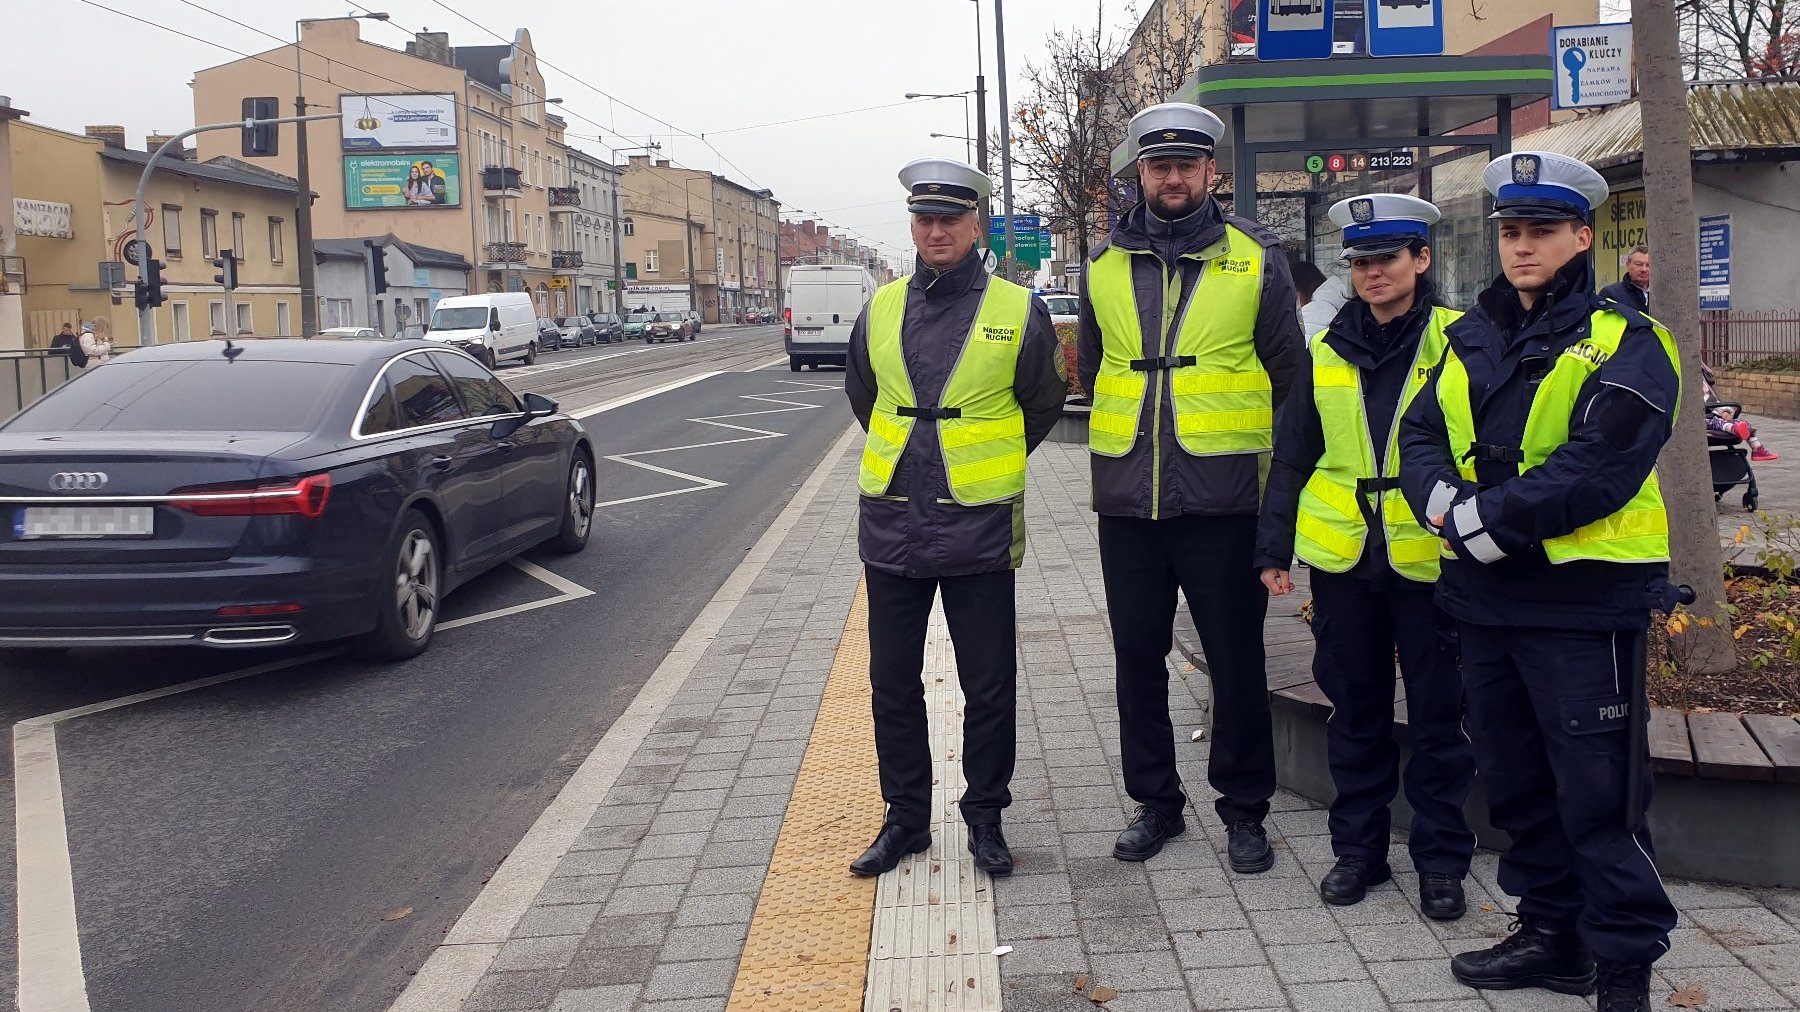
(1592, 65)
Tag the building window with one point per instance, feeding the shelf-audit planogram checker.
(215, 312)
(178, 315)
(239, 251)
(337, 312)
(652, 261)
(246, 319)
(209, 233)
(490, 225)
(628, 227)
(276, 251)
(171, 231)
(284, 320)
(537, 168)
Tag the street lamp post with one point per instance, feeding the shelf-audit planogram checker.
(981, 130)
(1012, 247)
(618, 234)
(964, 95)
(303, 230)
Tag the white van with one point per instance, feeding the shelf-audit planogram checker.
(495, 327)
(823, 302)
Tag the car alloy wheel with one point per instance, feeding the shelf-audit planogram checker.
(416, 585)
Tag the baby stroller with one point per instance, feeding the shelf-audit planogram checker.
(1729, 454)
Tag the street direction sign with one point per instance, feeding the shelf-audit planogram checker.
(1405, 27)
(1294, 29)
(1592, 64)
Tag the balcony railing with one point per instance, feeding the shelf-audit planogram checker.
(565, 197)
(498, 180)
(505, 252)
(565, 259)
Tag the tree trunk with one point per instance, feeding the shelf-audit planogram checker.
(1674, 239)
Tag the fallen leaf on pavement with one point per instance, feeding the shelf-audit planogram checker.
(1487, 908)
(1081, 981)
(952, 938)
(1101, 994)
(394, 915)
(1001, 950)
(971, 984)
(1688, 996)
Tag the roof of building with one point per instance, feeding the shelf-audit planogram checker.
(223, 169)
(424, 256)
(482, 63)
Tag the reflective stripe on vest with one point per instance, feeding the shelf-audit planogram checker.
(1223, 401)
(983, 445)
(1639, 531)
(1331, 527)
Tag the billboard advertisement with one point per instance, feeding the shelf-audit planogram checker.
(384, 182)
(397, 122)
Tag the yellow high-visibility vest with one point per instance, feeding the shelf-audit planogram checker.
(1639, 531)
(1332, 526)
(981, 428)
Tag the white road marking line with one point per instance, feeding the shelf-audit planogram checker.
(51, 977)
(453, 970)
(701, 482)
(641, 395)
(780, 359)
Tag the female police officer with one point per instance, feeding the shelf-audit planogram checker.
(1333, 498)
(1533, 451)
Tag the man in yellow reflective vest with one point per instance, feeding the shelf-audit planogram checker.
(1189, 339)
(1533, 452)
(956, 376)
(1334, 500)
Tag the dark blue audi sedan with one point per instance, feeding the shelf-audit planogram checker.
(275, 491)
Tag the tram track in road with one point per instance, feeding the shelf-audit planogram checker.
(591, 380)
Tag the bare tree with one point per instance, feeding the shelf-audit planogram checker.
(1669, 190)
(1740, 38)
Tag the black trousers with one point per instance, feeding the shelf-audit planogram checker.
(1143, 562)
(983, 631)
(1547, 713)
(1358, 628)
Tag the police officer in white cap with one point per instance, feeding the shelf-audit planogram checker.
(1189, 338)
(1533, 452)
(1334, 500)
(955, 375)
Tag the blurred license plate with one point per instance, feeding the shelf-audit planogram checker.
(85, 522)
(809, 331)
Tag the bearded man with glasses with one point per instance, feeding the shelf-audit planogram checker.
(1189, 340)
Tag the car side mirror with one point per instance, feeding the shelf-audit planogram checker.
(537, 406)
(495, 327)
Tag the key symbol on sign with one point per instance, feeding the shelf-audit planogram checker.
(1575, 58)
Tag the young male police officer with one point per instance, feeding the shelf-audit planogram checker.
(1533, 452)
(1334, 500)
(955, 376)
(1188, 339)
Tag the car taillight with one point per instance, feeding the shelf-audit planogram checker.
(788, 314)
(304, 498)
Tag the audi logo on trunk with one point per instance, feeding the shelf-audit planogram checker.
(77, 481)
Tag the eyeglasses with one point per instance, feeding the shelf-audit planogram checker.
(1187, 167)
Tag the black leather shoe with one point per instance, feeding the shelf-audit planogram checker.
(1624, 988)
(1349, 880)
(1441, 896)
(891, 844)
(1539, 953)
(990, 850)
(1249, 848)
(1144, 838)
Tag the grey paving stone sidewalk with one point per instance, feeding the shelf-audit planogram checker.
(649, 911)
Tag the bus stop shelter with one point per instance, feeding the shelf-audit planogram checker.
(1302, 135)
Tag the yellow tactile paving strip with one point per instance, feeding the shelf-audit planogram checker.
(808, 946)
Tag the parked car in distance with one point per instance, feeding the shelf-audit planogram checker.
(823, 302)
(549, 335)
(495, 327)
(275, 492)
(666, 327)
(1064, 308)
(577, 331)
(637, 325)
(609, 326)
(696, 322)
(351, 333)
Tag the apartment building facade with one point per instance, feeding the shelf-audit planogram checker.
(736, 245)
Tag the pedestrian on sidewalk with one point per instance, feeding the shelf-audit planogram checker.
(1334, 500)
(1188, 338)
(1532, 451)
(68, 345)
(1634, 288)
(955, 375)
(96, 341)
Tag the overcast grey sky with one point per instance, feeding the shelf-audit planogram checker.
(706, 66)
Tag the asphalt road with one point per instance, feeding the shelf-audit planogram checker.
(301, 839)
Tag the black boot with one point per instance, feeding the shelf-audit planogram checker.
(1441, 896)
(990, 850)
(891, 844)
(1624, 988)
(1249, 848)
(1349, 880)
(1539, 953)
(1144, 838)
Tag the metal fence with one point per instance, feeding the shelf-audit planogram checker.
(27, 375)
(1734, 337)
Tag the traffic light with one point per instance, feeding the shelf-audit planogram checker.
(378, 264)
(226, 262)
(262, 141)
(149, 288)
